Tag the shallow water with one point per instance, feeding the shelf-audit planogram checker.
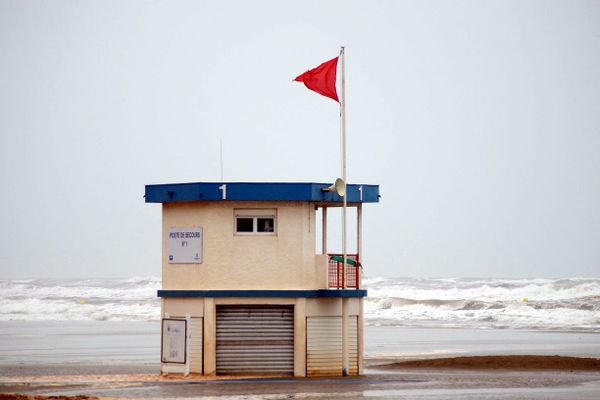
(137, 343)
(413, 343)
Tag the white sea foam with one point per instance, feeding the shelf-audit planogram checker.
(565, 304)
(131, 299)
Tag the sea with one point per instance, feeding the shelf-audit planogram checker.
(91, 324)
(567, 305)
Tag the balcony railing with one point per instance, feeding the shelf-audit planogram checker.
(335, 275)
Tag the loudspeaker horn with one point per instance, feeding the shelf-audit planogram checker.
(339, 187)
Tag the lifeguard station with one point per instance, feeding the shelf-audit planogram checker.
(244, 290)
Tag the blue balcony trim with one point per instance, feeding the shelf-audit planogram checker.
(264, 293)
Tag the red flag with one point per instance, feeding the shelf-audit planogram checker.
(322, 79)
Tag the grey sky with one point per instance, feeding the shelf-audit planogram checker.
(480, 121)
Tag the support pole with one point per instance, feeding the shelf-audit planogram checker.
(361, 322)
(324, 238)
(361, 335)
(345, 318)
(359, 244)
(344, 175)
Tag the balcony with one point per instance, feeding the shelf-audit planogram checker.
(336, 279)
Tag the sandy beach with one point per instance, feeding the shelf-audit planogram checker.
(119, 360)
(497, 378)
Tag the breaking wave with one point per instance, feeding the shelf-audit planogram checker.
(132, 299)
(564, 304)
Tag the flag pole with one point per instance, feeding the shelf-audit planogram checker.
(345, 317)
(344, 176)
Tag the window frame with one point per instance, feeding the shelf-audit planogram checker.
(255, 214)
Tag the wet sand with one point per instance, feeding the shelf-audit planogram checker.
(34, 397)
(489, 377)
(120, 360)
(515, 362)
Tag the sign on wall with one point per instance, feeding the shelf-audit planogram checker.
(174, 340)
(185, 246)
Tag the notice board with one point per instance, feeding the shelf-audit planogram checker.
(174, 332)
(185, 245)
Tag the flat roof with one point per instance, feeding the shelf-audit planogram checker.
(258, 191)
(264, 293)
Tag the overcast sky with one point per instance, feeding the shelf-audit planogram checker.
(479, 119)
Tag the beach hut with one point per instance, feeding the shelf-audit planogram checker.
(244, 290)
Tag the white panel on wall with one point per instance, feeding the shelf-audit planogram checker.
(173, 341)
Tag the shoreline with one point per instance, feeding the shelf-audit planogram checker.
(141, 373)
(498, 377)
(120, 360)
(428, 381)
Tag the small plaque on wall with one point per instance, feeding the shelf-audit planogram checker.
(185, 246)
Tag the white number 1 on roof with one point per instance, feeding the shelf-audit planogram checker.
(223, 188)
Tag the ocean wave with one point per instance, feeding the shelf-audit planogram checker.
(487, 290)
(131, 299)
(571, 304)
(565, 304)
(36, 310)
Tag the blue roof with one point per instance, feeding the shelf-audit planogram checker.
(264, 293)
(258, 191)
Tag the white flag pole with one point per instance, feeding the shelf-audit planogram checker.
(344, 177)
(345, 358)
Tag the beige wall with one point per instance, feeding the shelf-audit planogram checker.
(331, 307)
(180, 307)
(284, 261)
(313, 307)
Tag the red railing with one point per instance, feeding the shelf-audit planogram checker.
(335, 274)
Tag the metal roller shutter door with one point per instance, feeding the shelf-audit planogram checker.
(324, 345)
(196, 341)
(255, 339)
(353, 345)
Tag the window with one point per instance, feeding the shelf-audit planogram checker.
(255, 221)
(265, 224)
(244, 224)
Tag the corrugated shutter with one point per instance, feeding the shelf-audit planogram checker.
(255, 339)
(323, 346)
(353, 345)
(196, 343)
(196, 355)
